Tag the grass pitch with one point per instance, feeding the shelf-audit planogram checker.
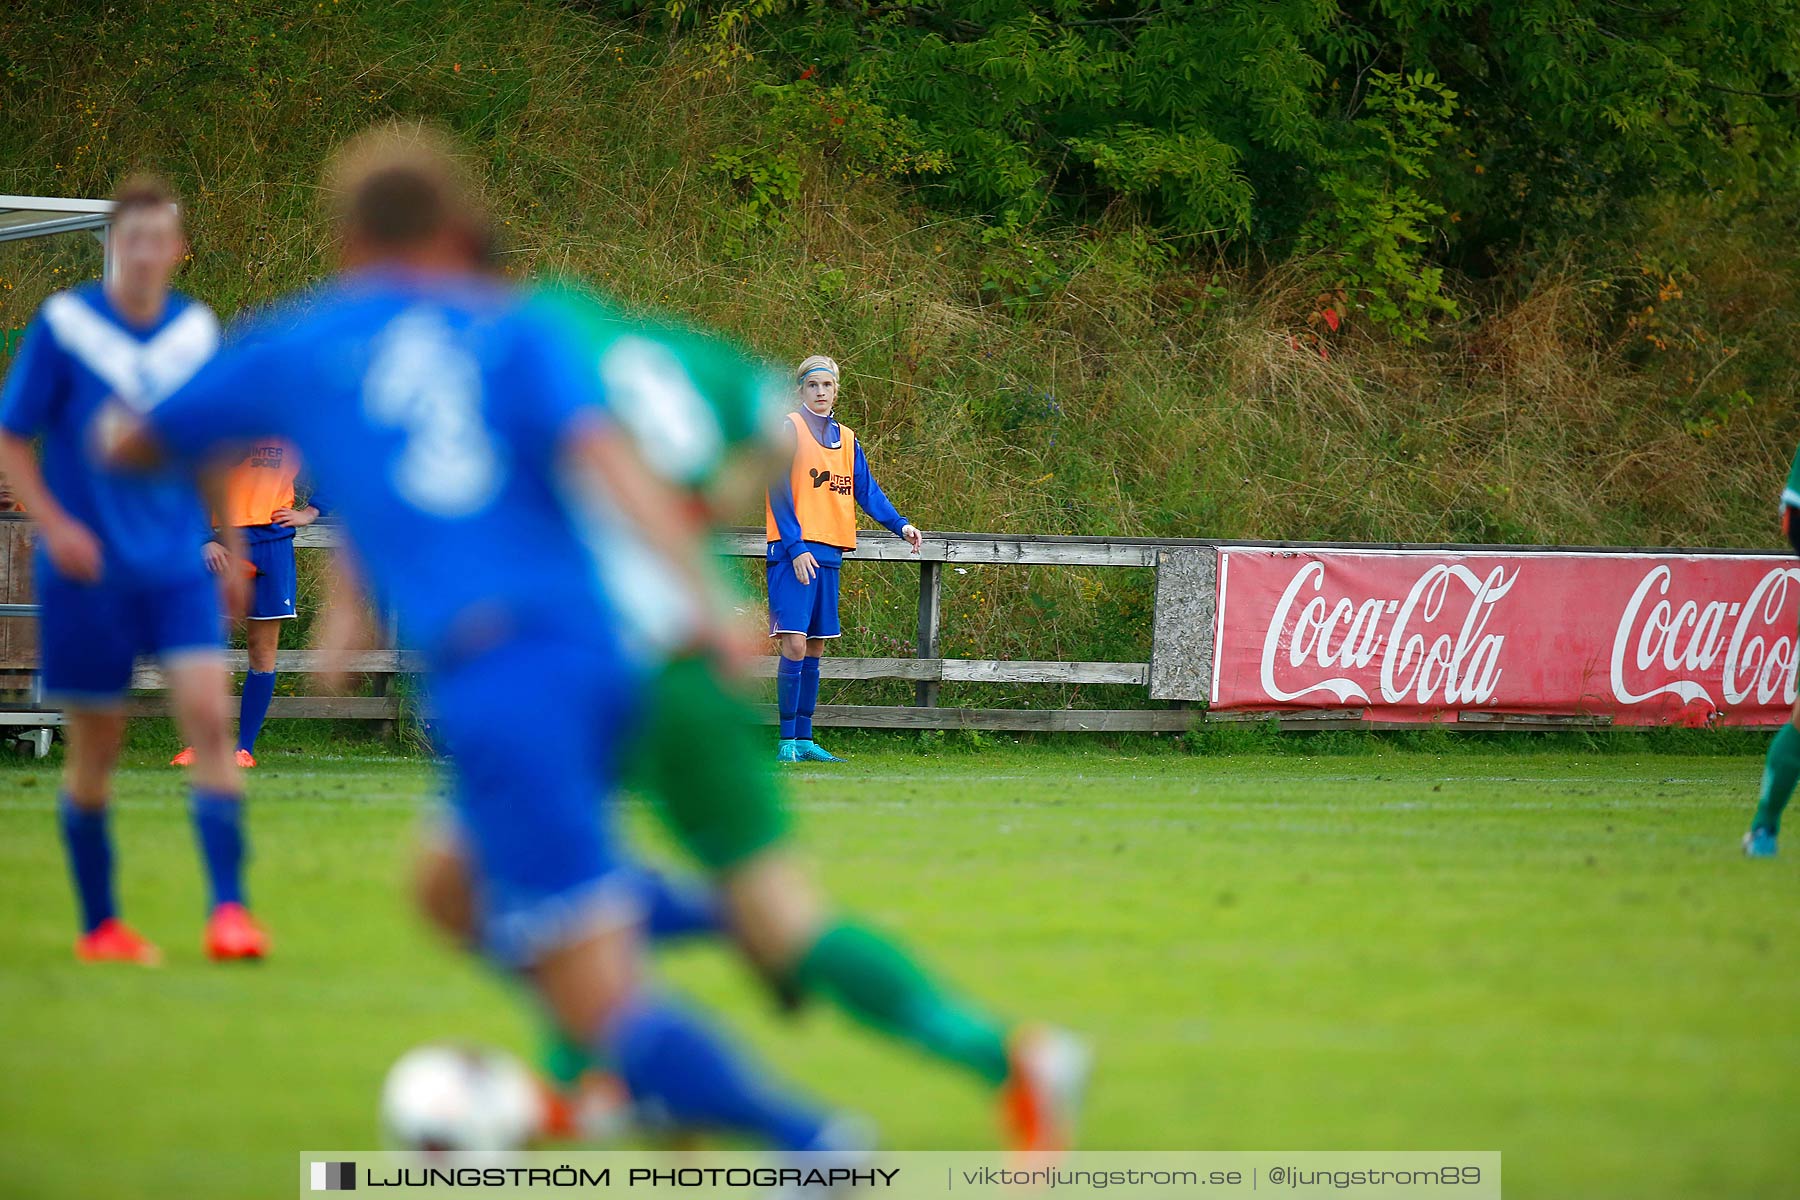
(1559, 956)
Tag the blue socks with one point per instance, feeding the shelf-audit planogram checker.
(809, 698)
(218, 824)
(678, 1069)
(89, 845)
(797, 696)
(787, 693)
(259, 688)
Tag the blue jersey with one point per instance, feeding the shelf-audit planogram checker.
(432, 411)
(77, 354)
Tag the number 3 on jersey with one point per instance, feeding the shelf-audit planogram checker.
(422, 382)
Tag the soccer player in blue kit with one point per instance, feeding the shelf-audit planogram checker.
(459, 437)
(119, 566)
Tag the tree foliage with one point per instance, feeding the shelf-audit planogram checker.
(1404, 135)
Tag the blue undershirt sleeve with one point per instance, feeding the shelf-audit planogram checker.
(304, 486)
(781, 504)
(787, 522)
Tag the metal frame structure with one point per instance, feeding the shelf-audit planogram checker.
(21, 218)
(24, 217)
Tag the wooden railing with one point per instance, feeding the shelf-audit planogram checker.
(927, 670)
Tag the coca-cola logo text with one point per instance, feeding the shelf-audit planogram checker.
(1743, 648)
(1432, 643)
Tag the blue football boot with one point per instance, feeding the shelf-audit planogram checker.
(789, 751)
(811, 751)
(1759, 843)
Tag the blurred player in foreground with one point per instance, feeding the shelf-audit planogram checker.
(1782, 768)
(259, 503)
(452, 432)
(708, 420)
(119, 570)
(810, 522)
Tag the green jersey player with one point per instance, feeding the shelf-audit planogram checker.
(1782, 768)
(708, 419)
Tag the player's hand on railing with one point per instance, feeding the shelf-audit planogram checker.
(913, 537)
(294, 518)
(73, 550)
(805, 566)
(216, 557)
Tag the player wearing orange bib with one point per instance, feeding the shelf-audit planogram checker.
(259, 501)
(810, 522)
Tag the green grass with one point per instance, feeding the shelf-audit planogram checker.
(1557, 955)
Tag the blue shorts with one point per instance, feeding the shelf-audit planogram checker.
(531, 730)
(671, 907)
(809, 608)
(272, 589)
(90, 634)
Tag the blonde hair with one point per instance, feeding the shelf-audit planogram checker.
(816, 362)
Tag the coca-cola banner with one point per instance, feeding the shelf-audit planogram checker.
(1421, 635)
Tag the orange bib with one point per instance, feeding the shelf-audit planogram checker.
(824, 484)
(260, 484)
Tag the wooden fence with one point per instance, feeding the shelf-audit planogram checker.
(927, 669)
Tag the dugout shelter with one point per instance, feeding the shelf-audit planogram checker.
(23, 217)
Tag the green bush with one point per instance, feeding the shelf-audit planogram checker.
(1300, 123)
(1376, 222)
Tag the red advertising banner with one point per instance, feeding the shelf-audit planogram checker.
(1420, 635)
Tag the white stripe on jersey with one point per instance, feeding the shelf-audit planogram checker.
(656, 609)
(655, 399)
(139, 373)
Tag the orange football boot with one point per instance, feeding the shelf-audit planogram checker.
(232, 933)
(595, 1108)
(558, 1114)
(1042, 1095)
(184, 759)
(245, 759)
(114, 941)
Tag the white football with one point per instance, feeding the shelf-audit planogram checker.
(447, 1097)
